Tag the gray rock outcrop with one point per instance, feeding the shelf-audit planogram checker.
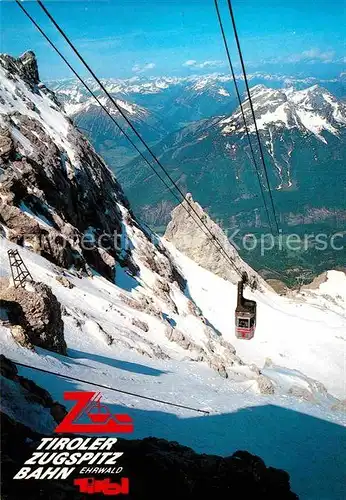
(265, 385)
(31, 391)
(41, 322)
(198, 244)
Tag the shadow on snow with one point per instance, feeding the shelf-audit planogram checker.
(311, 450)
(76, 357)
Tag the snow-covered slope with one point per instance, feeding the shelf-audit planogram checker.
(302, 332)
(286, 428)
(78, 217)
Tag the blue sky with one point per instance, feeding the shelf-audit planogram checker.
(124, 38)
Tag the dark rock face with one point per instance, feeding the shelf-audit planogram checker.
(157, 469)
(32, 392)
(6, 145)
(69, 207)
(11, 309)
(41, 315)
(28, 67)
(25, 66)
(37, 394)
(57, 195)
(7, 368)
(179, 472)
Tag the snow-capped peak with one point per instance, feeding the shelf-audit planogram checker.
(19, 98)
(313, 110)
(76, 103)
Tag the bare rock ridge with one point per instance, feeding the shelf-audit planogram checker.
(54, 187)
(197, 243)
(26, 67)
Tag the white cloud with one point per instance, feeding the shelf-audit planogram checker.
(205, 64)
(211, 64)
(190, 62)
(313, 55)
(141, 68)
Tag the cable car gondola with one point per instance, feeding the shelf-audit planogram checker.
(245, 313)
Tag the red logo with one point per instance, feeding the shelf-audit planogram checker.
(102, 421)
(90, 486)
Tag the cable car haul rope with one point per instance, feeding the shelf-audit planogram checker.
(148, 398)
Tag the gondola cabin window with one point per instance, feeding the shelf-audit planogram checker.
(243, 323)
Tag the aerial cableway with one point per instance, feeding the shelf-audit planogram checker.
(165, 177)
(113, 389)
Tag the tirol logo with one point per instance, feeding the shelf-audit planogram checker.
(100, 419)
(86, 460)
(90, 486)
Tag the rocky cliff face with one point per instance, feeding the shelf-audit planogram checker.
(57, 194)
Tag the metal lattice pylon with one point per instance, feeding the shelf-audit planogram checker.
(20, 273)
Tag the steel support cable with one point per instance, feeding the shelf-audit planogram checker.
(214, 240)
(80, 57)
(241, 109)
(68, 377)
(252, 111)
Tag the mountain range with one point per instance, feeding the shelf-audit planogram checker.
(303, 134)
(150, 319)
(161, 105)
(303, 137)
(194, 126)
